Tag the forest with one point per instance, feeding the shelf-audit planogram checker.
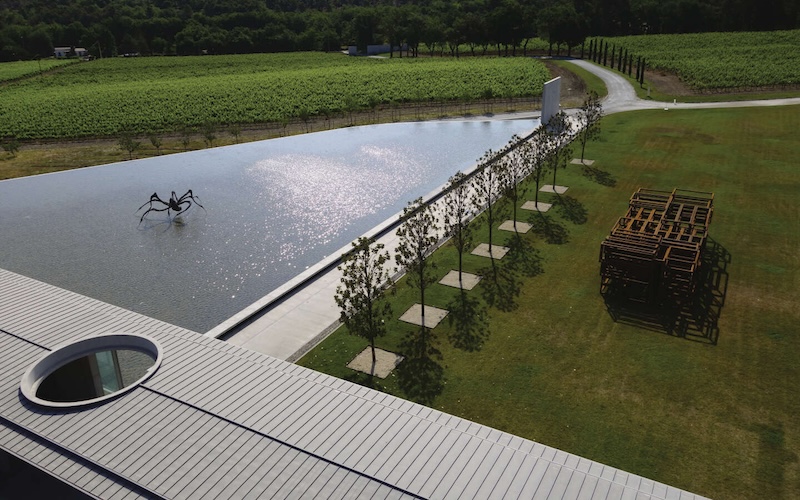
(29, 29)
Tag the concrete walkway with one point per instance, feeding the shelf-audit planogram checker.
(622, 96)
(291, 320)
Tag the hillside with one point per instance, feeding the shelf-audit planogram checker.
(31, 28)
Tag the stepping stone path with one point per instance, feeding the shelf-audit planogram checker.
(538, 207)
(468, 280)
(498, 252)
(433, 315)
(549, 188)
(522, 227)
(577, 161)
(385, 362)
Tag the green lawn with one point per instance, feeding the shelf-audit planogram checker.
(547, 362)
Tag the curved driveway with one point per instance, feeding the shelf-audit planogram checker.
(622, 96)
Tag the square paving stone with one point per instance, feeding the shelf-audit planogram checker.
(522, 227)
(433, 315)
(468, 280)
(538, 207)
(549, 188)
(498, 252)
(577, 161)
(385, 362)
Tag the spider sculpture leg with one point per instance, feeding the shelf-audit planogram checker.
(153, 209)
(193, 198)
(153, 199)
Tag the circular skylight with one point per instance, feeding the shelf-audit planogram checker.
(91, 370)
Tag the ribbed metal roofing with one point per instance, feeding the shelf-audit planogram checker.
(220, 421)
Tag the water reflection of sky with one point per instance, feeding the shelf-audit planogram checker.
(273, 208)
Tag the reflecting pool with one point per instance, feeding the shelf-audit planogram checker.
(272, 209)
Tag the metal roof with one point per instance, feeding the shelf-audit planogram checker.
(220, 421)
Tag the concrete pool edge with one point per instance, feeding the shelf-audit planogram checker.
(294, 285)
(304, 322)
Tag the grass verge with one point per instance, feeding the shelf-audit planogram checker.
(592, 81)
(38, 158)
(538, 355)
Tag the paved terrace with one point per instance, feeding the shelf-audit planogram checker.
(295, 317)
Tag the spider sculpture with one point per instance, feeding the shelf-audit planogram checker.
(175, 204)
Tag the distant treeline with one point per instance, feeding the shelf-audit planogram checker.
(31, 28)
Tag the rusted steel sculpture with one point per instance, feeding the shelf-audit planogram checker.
(653, 252)
(175, 204)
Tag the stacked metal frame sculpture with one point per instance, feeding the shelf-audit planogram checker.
(653, 253)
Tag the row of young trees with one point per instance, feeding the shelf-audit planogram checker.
(209, 131)
(623, 60)
(365, 309)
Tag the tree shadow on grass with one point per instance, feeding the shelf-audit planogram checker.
(420, 376)
(500, 286)
(694, 319)
(523, 259)
(501, 283)
(548, 228)
(773, 459)
(599, 176)
(470, 326)
(571, 209)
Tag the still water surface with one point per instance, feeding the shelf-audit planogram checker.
(272, 209)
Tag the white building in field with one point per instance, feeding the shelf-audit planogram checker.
(64, 52)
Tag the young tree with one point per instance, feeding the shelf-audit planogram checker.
(514, 169)
(305, 116)
(418, 237)
(538, 151)
(186, 137)
(364, 310)
(457, 209)
(126, 143)
(487, 189)
(155, 140)
(11, 146)
(209, 131)
(350, 106)
(284, 121)
(589, 116)
(235, 130)
(326, 113)
(559, 157)
(559, 131)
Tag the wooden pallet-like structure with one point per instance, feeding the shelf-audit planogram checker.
(654, 252)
